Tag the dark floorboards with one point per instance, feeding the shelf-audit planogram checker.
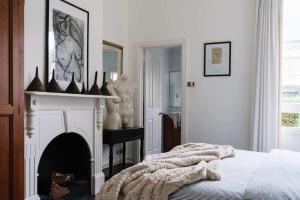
(88, 197)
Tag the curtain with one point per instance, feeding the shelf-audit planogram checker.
(265, 126)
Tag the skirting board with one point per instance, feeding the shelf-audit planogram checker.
(97, 182)
(33, 198)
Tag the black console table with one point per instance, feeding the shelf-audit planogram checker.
(124, 135)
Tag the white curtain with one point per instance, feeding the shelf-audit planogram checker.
(267, 63)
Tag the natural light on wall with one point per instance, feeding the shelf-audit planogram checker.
(290, 76)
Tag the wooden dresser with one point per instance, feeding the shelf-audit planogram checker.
(171, 135)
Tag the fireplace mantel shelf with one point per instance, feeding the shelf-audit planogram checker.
(30, 93)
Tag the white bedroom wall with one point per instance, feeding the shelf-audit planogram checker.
(219, 108)
(115, 25)
(115, 29)
(34, 50)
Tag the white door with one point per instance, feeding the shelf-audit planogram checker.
(152, 105)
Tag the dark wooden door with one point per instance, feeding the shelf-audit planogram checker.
(11, 100)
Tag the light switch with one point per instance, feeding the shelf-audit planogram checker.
(190, 84)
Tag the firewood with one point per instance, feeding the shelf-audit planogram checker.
(58, 192)
(61, 179)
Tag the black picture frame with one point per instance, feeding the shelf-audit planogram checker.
(205, 59)
(47, 74)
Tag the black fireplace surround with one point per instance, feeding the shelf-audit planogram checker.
(68, 153)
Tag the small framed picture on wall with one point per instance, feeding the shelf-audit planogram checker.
(217, 59)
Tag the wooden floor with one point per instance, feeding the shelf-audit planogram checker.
(88, 197)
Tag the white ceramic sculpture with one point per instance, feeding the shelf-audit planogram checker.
(125, 90)
(113, 119)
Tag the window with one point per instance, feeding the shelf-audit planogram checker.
(291, 67)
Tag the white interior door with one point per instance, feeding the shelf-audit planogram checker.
(152, 105)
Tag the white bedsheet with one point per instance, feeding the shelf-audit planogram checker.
(251, 176)
(278, 177)
(236, 173)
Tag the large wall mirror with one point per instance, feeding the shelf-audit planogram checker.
(112, 60)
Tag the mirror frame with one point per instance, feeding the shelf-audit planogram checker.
(107, 43)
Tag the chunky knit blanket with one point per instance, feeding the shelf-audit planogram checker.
(162, 174)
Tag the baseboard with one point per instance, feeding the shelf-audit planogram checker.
(36, 197)
(97, 182)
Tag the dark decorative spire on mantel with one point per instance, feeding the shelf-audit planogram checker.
(95, 89)
(53, 86)
(36, 84)
(104, 89)
(72, 88)
(83, 90)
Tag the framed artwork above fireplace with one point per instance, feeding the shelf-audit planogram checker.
(67, 42)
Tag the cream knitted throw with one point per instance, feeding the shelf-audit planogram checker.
(162, 174)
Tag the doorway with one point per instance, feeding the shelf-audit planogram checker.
(163, 96)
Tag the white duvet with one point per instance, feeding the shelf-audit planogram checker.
(251, 176)
(278, 177)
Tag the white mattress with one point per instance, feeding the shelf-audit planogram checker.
(236, 173)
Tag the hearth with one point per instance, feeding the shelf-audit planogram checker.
(68, 153)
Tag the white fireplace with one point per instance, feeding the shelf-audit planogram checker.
(49, 115)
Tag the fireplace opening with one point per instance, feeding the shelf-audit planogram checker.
(64, 171)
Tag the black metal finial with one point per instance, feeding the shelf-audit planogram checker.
(53, 86)
(36, 84)
(72, 88)
(95, 89)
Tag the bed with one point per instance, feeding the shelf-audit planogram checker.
(240, 174)
(250, 175)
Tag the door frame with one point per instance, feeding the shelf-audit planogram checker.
(139, 63)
